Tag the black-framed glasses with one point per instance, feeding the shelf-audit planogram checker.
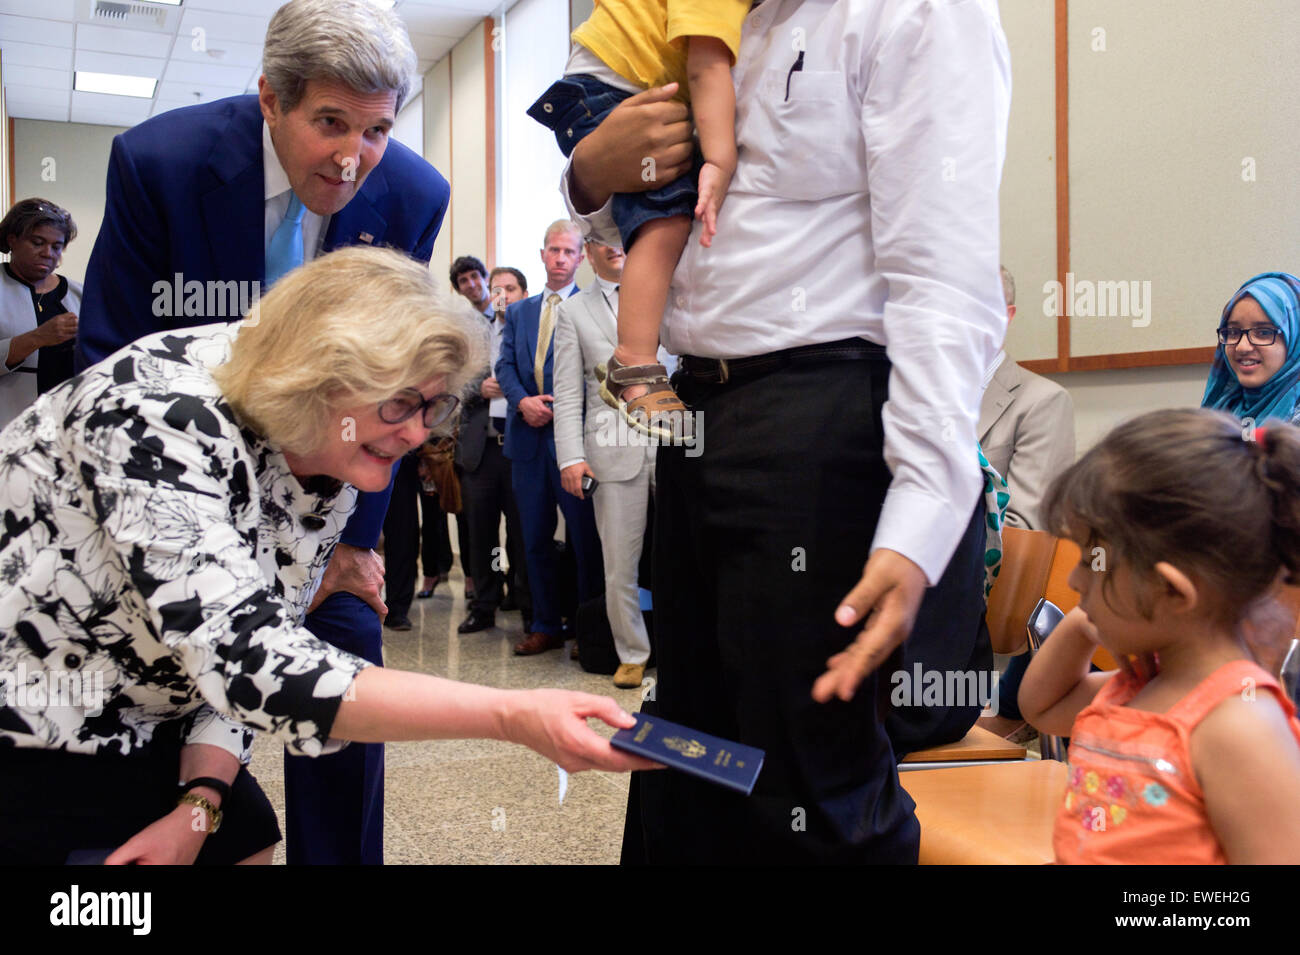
(408, 402)
(1256, 335)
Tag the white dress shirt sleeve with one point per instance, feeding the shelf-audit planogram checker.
(598, 225)
(934, 119)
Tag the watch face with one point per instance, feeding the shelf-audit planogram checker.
(204, 817)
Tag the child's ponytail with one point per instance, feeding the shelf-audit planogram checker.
(1277, 466)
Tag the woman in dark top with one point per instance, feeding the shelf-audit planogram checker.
(38, 307)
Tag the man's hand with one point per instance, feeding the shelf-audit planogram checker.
(175, 839)
(490, 388)
(357, 571)
(644, 143)
(536, 410)
(571, 478)
(714, 180)
(888, 595)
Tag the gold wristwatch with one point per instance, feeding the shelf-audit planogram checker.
(214, 814)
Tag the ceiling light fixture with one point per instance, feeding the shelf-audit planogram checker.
(115, 84)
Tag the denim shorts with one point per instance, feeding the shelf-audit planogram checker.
(572, 108)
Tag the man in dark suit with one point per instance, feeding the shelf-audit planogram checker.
(524, 372)
(227, 195)
(486, 490)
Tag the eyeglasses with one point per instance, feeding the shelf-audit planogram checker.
(402, 406)
(1258, 335)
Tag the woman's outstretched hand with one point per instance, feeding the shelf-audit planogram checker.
(554, 723)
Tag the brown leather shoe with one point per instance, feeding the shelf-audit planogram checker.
(629, 675)
(573, 653)
(533, 643)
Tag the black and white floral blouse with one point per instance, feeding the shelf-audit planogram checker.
(152, 546)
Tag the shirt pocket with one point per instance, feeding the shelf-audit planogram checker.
(803, 140)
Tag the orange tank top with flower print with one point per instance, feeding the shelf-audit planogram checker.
(1132, 797)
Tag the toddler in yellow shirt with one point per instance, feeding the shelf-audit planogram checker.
(627, 46)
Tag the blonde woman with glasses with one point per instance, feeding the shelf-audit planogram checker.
(166, 518)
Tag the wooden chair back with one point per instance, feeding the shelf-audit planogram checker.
(1026, 562)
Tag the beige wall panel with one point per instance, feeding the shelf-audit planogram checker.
(437, 149)
(76, 156)
(469, 147)
(1029, 177)
(1188, 100)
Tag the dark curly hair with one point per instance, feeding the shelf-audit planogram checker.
(28, 215)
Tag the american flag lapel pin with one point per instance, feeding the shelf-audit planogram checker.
(366, 237)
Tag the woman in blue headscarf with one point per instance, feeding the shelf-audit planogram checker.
(1256, 371)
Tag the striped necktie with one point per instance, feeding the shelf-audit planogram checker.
(284, 252)
(544, 333)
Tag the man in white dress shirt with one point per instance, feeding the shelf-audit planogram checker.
(837, 333)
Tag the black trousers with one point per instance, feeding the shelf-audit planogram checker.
(401, 538)
(757, 539)
(435, 540)
(486, 494)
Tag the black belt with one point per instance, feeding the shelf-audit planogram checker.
(723, 370)
(499, 425)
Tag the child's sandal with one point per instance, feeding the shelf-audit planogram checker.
(658, 413)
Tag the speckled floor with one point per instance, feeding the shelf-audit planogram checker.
(482, 801)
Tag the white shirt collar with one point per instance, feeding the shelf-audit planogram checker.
(994, 365)
(274, 177)
(563, 293)
(606, 286)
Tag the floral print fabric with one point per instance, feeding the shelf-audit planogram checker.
(156, 552)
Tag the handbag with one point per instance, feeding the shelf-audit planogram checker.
(438, 471)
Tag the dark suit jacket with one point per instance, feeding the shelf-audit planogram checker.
(186, 195)
(514, 371)
(473, 423)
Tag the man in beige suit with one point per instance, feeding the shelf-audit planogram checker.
(1026, 428)
(586, 329)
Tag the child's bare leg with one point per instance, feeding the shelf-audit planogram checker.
(643, 291)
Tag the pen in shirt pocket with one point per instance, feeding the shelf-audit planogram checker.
(798, 66)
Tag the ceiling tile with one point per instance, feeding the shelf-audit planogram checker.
(34, 54)
(256, 8)
(223, 26)
(438, 21)
(209, 74)
(43, 96)
(432, 47)
(184, 92)
(93, 62)
(48, 9)
(232, 52)
(121, 40)
(38, 76)
(58, 114)
(117, 110)
(31, 30)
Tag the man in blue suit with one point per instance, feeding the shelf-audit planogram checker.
(211, 200)
(524, 373)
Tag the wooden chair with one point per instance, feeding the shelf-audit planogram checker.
(1026, 560)
(996, 814)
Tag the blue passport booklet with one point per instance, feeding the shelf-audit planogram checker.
(717, 760)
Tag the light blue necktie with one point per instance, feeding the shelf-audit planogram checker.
(284, 253)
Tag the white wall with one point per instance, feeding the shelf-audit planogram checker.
(533, 55)
(1103, 399)
(66, 163)
(409, 126)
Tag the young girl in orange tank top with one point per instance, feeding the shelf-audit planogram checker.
(1190, 753)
